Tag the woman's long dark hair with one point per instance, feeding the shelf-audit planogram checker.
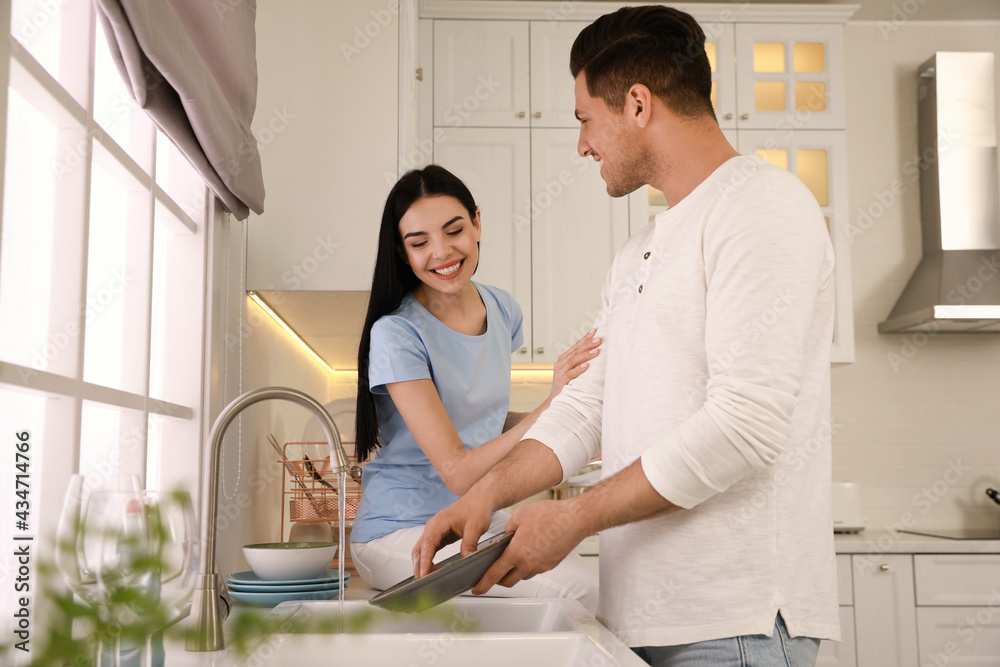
(394, 279)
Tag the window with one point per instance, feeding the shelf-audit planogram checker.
(104, 268)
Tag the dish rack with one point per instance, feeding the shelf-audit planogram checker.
(310, 486)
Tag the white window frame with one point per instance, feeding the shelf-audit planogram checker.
(181, 423)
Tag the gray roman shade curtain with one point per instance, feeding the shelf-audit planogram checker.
(191, 65)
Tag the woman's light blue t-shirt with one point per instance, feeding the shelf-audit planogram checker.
(400, 487)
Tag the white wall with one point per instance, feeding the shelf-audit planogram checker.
(260, 354)
(916, 418)
(326, 123)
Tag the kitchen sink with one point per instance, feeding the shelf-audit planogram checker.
(485, 632)
(464, 615)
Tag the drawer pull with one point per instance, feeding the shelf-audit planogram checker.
(884, 567)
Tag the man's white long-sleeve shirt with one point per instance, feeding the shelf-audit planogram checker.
(715, 370)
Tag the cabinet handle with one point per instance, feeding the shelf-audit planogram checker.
(540, 350)
(884, 567)
(538, 114)
(728, 116)
(420, 74)
(523, 350)
(744, 116)
(520, 114)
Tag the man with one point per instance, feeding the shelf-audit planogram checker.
(710, 401)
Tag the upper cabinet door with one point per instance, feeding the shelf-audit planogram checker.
(576, 229)
(789, 77)
(719, 47)
(481, 74)
(503, 195)
(552, 99)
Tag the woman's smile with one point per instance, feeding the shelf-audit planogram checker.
(449, 270)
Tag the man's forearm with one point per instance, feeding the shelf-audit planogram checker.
(623, 498)
(529, 468)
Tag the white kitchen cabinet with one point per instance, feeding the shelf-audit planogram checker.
(481, 74)
(959, 635)
(777, 76)
(503, 194)
(549, 241)
(720, 48)
(552, 100)
(884, 611)
(576, 229)
(778, 79)
(484, 76)
(917, 609)
(958, 608)
(550, 231)
(957, 580)
(844, 652)
(788, 77)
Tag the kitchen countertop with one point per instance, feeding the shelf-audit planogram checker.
(872, 542)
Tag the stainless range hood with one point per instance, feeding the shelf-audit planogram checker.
(956, 286)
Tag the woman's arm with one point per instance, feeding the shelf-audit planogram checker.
(420, 406)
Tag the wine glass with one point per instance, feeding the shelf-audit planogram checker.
(173, 533)
(70, 560)
(117, 548)
(116, 539)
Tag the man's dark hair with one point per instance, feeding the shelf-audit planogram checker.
(660, 47)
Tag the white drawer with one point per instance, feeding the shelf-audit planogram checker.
(845, 585)
(948, 580)
(956, 636)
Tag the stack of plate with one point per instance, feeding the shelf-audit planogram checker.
(248, 587)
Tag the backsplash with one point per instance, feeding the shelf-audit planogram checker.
(915, 416)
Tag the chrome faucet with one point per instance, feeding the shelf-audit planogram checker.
(206, 615)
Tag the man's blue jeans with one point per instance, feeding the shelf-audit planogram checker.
(778, 650)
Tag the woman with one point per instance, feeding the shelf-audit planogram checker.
(434, 383)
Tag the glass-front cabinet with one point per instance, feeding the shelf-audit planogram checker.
(777, 76)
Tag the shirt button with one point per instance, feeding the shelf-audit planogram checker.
(640, 289)
(646, 256)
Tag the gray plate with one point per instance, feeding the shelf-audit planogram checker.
(454, 576)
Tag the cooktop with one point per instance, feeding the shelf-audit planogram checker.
(958, 533)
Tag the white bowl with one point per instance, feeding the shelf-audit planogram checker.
(278, 561)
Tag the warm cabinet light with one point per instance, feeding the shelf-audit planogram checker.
(291, 332)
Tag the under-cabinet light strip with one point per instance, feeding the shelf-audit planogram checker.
(291, 332)
(516, 374)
